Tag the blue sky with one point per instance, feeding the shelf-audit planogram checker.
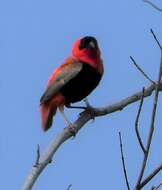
(35, 38)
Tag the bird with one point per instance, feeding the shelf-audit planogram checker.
(72, 81)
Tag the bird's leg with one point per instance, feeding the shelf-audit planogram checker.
(88, 108)
(80, 107)
(61, 108)
(76, 107)
(71, 127)
(87, 102)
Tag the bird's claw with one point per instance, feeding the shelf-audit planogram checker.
(90, 110)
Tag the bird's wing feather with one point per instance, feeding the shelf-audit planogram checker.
(62, 76)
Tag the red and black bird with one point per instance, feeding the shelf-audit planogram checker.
(73, 81)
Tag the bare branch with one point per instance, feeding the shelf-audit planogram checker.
(153, 5)
(123, 162)
(79, 123)
(38, 156)
(125, 102)
(156, 188)
(149, 178)
(141, 70)
(69, 187)
(157, 41)
(152, 126)
(137, 121)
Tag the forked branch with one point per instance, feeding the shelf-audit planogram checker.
(79, 123)
(141, 183)
(46, 158)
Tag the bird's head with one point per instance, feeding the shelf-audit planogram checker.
(87, 50)
(88, 43)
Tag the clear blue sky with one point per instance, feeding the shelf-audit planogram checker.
(35, 37)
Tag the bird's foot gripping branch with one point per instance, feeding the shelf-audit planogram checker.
(90, 111)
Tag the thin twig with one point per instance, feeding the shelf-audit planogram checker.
(141, 70)
(150, 176)
(157, 41)
(123, 162)
(69, 186)
(156, 188)
(137, 121)
(153, 5)
(152, 126)
(38, 156)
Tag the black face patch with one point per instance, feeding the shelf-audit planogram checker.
(85, 43)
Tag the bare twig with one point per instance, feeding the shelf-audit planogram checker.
(157, 41)
(123, 162)
(153, 5)
(150, 176)
(141, 70)
(38, 156)
(156, 188)
(69, 187)
(137, 121)
(152, 126)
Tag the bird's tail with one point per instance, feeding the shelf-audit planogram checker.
(47, 114)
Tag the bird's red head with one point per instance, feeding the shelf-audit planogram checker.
(86, 50)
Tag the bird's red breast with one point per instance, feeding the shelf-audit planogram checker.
(73, 80)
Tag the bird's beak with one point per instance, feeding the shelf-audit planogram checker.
(91, 45)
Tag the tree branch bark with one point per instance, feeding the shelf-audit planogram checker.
(79, 123)
(153, 117)
(153, 5)
(137, 125)
(141, 70)
(153, 174)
